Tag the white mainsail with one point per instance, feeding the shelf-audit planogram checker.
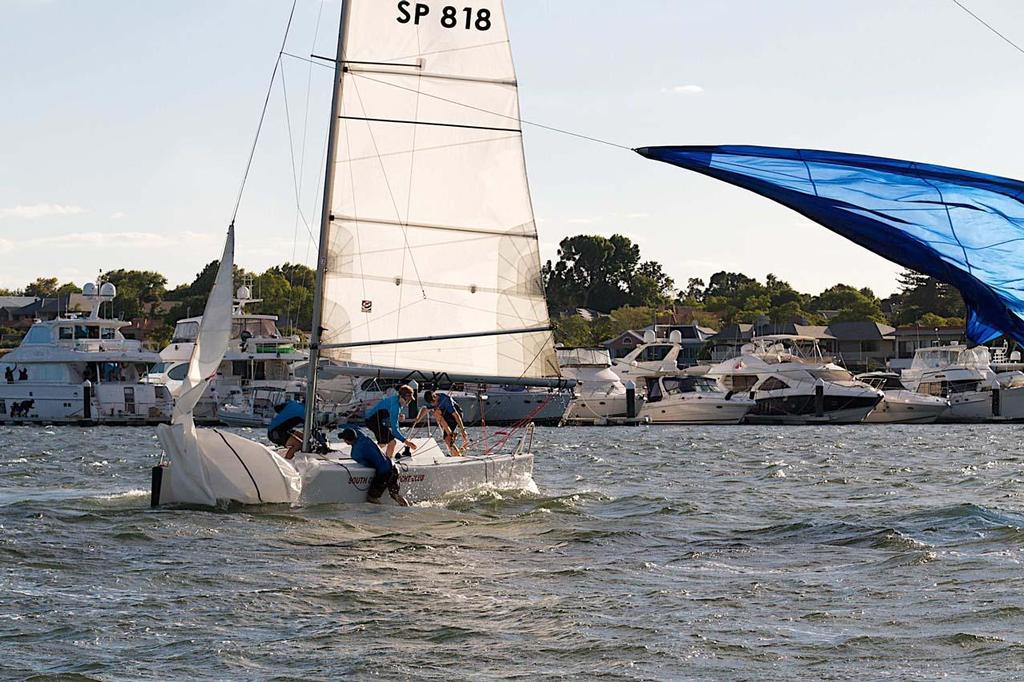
(433, 230)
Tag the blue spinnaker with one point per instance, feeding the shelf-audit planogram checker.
(961, 227)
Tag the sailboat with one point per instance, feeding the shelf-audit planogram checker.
(428, 259)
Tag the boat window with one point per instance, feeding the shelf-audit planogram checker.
(255, 327)
(773, 384)
(740, 383)
(37, 335)
(964, 385)
(831, 374)
(107, 332)
(178, 373)
(67, 333)
(83, 331)
(654, 353)
(185, 332)
(893, 384)
(653, 391)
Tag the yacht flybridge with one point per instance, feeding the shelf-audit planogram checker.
(791, 382)
(81, 370)
(424, 162)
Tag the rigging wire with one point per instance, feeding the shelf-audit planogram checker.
(263, 113)
(521, 121)
(988, 26)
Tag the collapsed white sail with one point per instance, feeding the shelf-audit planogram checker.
(433, 230)
(211, 465)
(212, 341)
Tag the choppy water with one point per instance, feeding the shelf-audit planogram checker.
(649, 553)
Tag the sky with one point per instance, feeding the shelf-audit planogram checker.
(125, 126)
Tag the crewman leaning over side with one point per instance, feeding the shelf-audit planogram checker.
(368, 453)
(382, 419)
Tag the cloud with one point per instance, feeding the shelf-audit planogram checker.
(6, 245)
(40, 211)
(583, 221)
(684, 90)
(638, 216)
(117, 215)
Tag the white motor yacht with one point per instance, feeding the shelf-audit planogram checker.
(81, 370)
(258, 357)
(965, 378)
(692, 400)
(901, 405)
(792, 386)
(600, 393)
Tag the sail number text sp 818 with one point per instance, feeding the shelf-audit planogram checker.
(450, 17)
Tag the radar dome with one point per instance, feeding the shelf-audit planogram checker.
(649, 336)
(89, 289)
(676, 336)
(108, 290)
(243, 293)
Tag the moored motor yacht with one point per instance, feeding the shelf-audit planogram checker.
(901, 405)
(692, 400)
(258, 357)
(81, 370)
(600, 393)
(965, 378)
(790, 387)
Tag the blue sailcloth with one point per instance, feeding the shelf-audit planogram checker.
(961, 227)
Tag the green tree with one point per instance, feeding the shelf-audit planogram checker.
(43, 287)
(851, 304)
(920, 294)
(135, 289)
(603, 273)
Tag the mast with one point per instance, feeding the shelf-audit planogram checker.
(325, 230)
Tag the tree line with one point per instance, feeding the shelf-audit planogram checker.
(606, 275)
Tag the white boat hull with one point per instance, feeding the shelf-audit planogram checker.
(907, 409)
(210, 467)
(968, 407)
(115, 403)
(696, 411)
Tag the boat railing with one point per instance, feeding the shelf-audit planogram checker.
(271, 344)
(106, 345)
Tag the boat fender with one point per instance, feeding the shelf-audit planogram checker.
(630, 399)
(729, 395)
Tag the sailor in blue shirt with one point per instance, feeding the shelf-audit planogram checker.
(368, 453)
(382, 419)
(449, 415)
(283, 429)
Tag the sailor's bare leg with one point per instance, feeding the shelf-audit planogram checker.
(389, 451)
(294, 445)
